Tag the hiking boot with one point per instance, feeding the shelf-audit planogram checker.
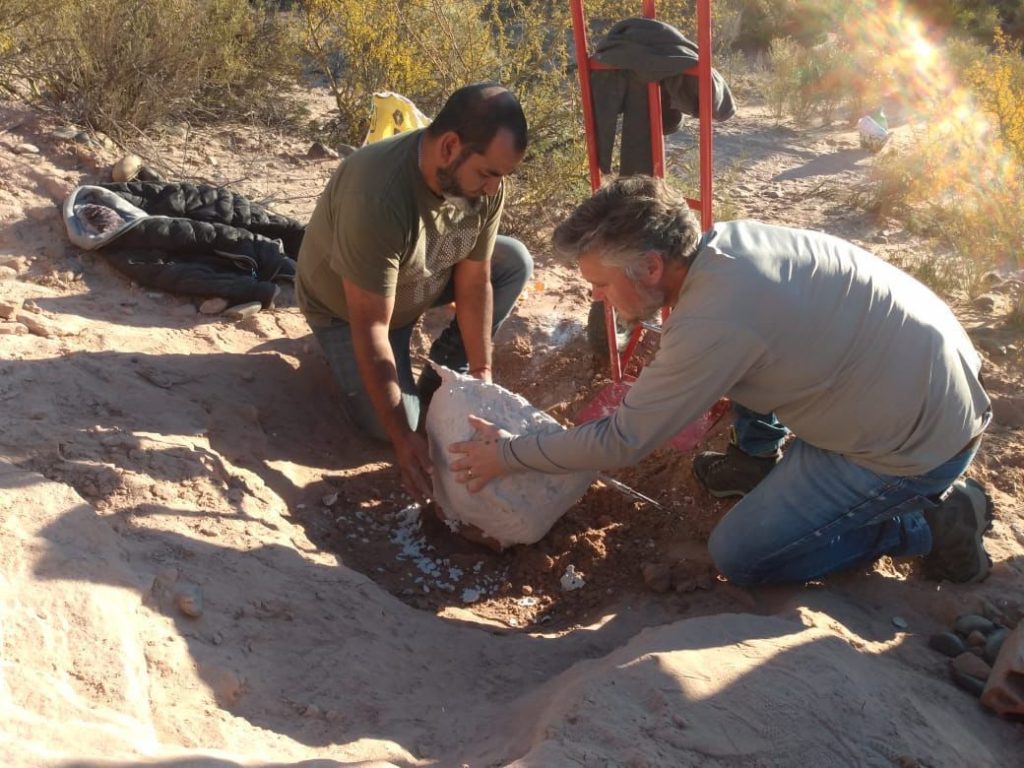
(958, 526)
(733, 473)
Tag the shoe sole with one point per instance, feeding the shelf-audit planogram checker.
(984, 515)
(727, 494)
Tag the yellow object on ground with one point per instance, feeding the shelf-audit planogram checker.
(393, 113)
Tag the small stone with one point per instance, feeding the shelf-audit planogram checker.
(527, 589)
(319, 151)
(991, 278)
(66, 133)
(8, 273)
(947, 643)
(572, 579)
(970, 622)
(127, 168)
(189, 601)
(312, 711)
(986, 302)
(972, 685)
(26, 149)
(969, 664)
(330, 499)
(9, 308)
(36, 325)
(976, 639)
(657, 576)
(994, 643)
(104, 141)
(535, 561)
(899, 622)
(236, 494)
(13, 329)
(243, 311)
(213, 306)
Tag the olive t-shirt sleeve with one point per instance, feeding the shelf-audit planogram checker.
(484, 246)
(368, 243)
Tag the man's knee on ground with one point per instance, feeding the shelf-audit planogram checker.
(731, 558)
(514, 258)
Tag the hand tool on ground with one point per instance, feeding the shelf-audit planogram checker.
(625, 490)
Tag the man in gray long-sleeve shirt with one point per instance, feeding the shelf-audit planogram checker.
(804, 332)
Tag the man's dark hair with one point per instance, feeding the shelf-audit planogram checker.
(627, 218)
(476, 112)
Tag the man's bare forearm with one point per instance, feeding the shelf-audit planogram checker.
(475, 312)
(376, 363)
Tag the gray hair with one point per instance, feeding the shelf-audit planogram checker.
(627, 218)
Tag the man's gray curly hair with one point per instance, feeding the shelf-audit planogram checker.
(627, 218)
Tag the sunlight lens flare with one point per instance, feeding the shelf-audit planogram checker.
(908, 66)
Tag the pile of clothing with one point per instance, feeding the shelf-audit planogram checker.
(187, 239)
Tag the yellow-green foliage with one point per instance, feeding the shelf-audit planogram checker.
(961, 177)
(114, 64)
(999, 83)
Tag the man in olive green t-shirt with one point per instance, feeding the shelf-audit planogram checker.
(405, 224)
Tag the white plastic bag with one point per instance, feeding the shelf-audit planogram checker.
(514, 509)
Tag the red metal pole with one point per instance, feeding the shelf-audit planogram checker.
(654, 114)
(706, 108)
(579, 29)
(583, 67)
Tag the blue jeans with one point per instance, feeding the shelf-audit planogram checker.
(817, 512)
(511, 267)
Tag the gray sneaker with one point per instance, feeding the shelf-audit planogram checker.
(958, 528)
(733, 473)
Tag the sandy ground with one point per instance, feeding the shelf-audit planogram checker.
(202, 565)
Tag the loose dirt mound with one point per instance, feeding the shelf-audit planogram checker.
(203, 566)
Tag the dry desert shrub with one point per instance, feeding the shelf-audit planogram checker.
(115, 65)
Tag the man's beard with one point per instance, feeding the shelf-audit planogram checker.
(453, 191)
(652, 300)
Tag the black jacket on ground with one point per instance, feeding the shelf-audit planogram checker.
(212, 204)
(188, 239)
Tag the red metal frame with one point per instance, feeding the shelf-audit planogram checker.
(586, 64)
